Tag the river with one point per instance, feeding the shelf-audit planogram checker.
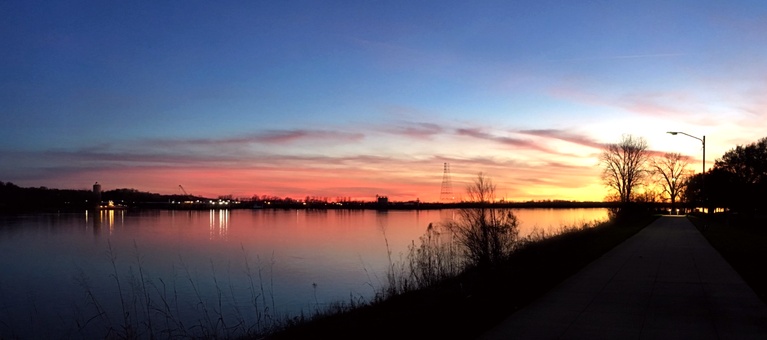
(90, 274)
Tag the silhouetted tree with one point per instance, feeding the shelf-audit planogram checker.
(693, 191)
(624, 166)
(487, 234)
(15, 198)
(748, 163)
(671, 169)
(128, 195)
(737, 181)
(720, 190)
(746, 167)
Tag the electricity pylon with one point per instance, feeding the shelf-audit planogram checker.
(446, 194)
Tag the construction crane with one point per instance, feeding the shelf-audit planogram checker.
(188, 199)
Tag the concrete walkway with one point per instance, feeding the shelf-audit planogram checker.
(666, 282)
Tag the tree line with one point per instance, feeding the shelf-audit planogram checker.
(737, 182)
(14, 198)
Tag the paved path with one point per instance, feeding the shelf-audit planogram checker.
(664, 282)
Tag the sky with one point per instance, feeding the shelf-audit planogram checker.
(356, 99)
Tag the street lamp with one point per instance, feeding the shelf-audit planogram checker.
(703, 172)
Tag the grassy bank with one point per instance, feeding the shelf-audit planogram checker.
(741, 241)
(467, 305)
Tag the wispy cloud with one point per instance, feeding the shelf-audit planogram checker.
(267, 137)
(276, 137)
(656, 104)
(108, 157)
(509, 141)
(543, 141)
(659, 104)
(753, 100)
(564, 136)
(416, 130)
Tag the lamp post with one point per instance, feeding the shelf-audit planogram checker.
(703, 171)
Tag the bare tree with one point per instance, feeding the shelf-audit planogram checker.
(672, 170)
(625, 165)
(486, 233)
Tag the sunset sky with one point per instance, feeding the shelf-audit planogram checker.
(364, 98)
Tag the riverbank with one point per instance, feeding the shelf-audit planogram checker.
(466, 306)
(741, 241)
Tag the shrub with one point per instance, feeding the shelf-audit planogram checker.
(487, 234)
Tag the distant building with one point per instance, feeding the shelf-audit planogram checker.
(97, 193)
(382, 202)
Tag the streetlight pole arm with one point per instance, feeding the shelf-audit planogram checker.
(688, 135)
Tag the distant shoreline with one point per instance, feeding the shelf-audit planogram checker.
(14, 199)
(391, 206)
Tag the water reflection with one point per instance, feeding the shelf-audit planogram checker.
(101, 217)
(447, 215)
(345, 252)
(219, 224)
(382, 218)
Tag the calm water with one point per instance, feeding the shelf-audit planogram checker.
(59, 277)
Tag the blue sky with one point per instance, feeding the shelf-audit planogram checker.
(363, 98)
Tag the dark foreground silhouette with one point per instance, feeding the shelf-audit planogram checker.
(475, 301)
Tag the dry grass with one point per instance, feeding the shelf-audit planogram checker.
(473, 301)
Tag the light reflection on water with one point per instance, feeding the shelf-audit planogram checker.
(289, 260)
(219, 224)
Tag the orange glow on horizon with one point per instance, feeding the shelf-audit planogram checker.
(361, 185)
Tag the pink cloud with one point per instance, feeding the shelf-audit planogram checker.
(657, 104)
(219, 171)
(565, 136)
(416, 130)
(268, 137)
(516, 142)
(681, 105)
